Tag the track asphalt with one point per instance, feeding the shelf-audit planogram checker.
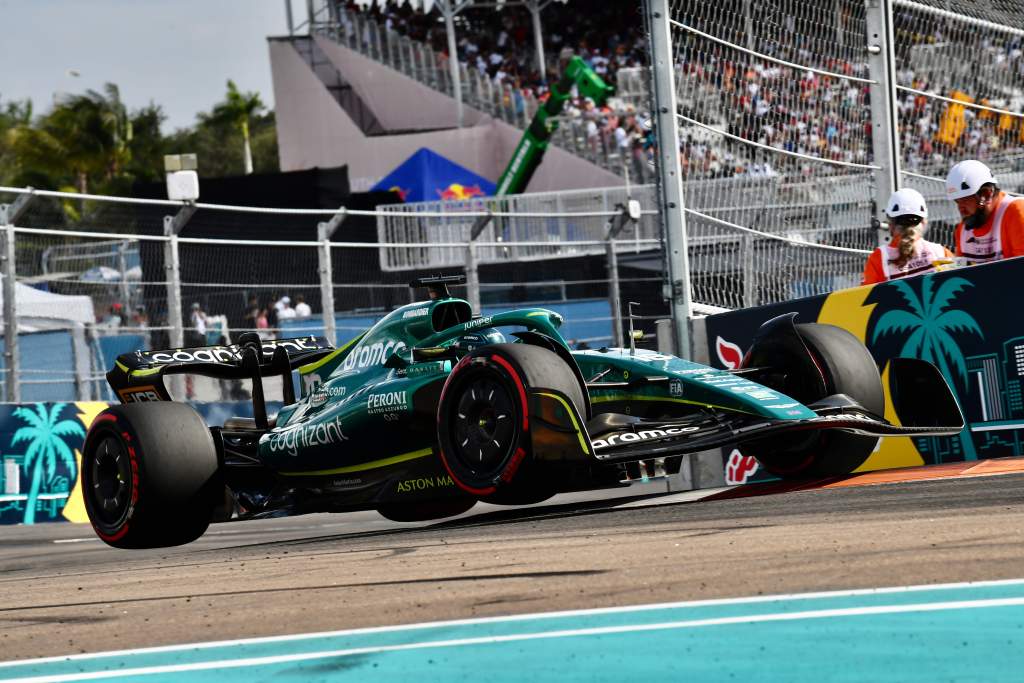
(755, 583)
(920, 633)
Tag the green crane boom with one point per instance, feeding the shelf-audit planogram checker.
(530, 150)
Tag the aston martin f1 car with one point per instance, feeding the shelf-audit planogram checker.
(434, 408)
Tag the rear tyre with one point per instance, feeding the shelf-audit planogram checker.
(838, 364)
(484, 421)
(150, 476)
(426, 510)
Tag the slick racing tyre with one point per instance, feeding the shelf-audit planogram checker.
(838, 364)
(484, 422)
(150, 477)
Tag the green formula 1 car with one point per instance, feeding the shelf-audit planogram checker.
(433, 409)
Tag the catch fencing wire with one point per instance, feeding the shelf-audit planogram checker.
(960, 86)
(112, 250)
(776, 148)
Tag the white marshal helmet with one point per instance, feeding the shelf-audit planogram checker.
(906, 202)
(966, 178)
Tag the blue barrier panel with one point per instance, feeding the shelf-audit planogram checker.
(113, 346)
(47, 366)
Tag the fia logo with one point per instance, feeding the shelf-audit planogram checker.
(675, 388)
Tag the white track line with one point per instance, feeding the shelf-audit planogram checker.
(519, 637)
(517, 617)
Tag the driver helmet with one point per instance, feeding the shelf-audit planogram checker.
(966, 178)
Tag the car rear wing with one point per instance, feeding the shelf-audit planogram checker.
(139, 376)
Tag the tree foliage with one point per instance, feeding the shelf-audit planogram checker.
(92, 143)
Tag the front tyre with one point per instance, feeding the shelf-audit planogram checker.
(836, 363)
(484, 421)
(150, 477)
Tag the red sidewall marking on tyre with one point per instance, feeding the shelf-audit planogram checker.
(134, 463)
(519, 385)
(462, 485)
(513, 465)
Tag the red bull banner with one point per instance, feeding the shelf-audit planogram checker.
(428, 176)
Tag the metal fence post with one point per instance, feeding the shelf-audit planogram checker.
(172, 266)
(670, 175)
(885, 137)
(324, 232)
(9, 215)
(614, 296)
(326, 282)
(11, 360)
(749, 274)
(122, 265)
(173, 225)
(449, 10)
(472, 278)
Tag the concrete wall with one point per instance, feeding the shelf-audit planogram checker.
(313, 130)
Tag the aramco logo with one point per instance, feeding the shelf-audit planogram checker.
(457, 191)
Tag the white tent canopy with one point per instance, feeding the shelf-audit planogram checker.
(38, 310)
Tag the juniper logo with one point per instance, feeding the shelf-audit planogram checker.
(642, 435)
(479, 322)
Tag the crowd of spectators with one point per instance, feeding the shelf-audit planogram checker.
(500, 45)
(807, 113)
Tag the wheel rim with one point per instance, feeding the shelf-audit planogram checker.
(111, 481)
(484, 429)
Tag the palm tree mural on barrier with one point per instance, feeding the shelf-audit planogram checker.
(930, 325)
(44, 434)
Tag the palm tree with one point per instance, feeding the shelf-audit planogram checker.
(86, 135)
(46, 445)
(931, 327)
(12, 115)
(236, 110)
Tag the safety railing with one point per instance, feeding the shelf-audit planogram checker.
(130, 274)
